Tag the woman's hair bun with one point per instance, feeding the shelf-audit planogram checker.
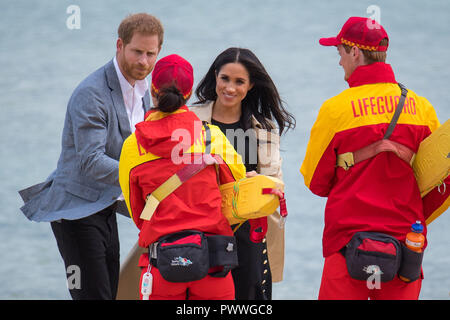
(170, 99)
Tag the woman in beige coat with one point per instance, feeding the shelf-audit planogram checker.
(239, 96)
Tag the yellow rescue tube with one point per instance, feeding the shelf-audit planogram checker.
(243, 199)
(431, 164)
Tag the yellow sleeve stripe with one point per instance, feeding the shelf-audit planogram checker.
(131, 156)
(321, 135)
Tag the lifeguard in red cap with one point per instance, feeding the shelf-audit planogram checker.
(359, 156)
(169, 172)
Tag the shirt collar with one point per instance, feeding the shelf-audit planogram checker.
(378, 72)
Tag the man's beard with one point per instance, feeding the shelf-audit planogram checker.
(134, 71)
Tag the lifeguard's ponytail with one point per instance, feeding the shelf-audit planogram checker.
(170, 99)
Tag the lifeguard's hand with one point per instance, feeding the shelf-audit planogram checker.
(252, 173)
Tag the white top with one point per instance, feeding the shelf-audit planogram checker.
(132, 97)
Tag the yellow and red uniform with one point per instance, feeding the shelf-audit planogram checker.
(148, 159)
(381, 193)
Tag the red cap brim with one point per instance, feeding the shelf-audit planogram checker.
(333, 41)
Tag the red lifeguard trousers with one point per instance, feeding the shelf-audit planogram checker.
(338, 285)
(208, 288)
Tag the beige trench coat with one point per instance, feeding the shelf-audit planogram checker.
(269, 164)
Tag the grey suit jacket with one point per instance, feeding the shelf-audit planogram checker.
(86, 179)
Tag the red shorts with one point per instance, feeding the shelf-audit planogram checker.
(338, 285)
(208, 288)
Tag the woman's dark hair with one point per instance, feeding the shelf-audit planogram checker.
(170, 99)
(262, 101)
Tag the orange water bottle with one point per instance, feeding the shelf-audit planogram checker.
(415, 239)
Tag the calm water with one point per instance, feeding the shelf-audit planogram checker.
(42, 61)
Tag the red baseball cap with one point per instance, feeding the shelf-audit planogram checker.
(173, 70)
(363, 33)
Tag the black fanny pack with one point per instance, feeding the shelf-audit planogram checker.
(188, 255)
(372, 252)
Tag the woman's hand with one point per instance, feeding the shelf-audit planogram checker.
(252, 173)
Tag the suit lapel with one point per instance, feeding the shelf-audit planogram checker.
(117, 98)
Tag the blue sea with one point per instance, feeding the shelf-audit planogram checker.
(47, 47)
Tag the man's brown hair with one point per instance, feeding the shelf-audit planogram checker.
(141, 23)
(372, 56)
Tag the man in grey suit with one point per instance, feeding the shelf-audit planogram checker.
(80, 198)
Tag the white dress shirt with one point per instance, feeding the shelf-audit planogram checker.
(132, 97)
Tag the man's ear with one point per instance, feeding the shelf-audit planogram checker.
(119, 44)
(357, 55)
(355, 52)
